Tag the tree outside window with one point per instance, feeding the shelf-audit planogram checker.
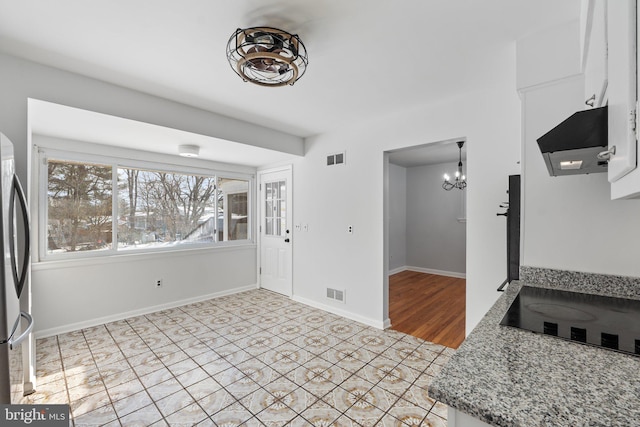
(153, 208)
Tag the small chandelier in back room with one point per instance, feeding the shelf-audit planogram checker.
(461, 181)
(267, 56)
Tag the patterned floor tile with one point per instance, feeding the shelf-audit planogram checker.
(277, 414)
(244, 386)
(90, 403)
(132, 403)
(419, 396)
(192, 377)
(164, 389)
(125, 390)
(433, 420)
(321, 414)
(189, 415)
(217, 401)
(234, 415)
(253, 359)
(142, 417)
(174, 402)
(97, 417)
(408, 413)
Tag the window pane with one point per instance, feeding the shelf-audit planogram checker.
(79, 198)
(161, 209)
(275, 208)
(268, 212)
(233, 209)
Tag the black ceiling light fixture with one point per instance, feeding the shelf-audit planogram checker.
(267, 56)
(461, 181)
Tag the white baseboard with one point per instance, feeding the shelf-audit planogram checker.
(146, 310)
(429, 271)
(398, 270)
(340, 312)
(387, 323)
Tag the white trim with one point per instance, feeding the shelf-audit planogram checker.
(288, 168)
(340, 312)
(387, 323)
(120, 316)
(95, 153)
(398, 270)
(136, 256)
(428, 271)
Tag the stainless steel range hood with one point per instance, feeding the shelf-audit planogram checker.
(571, 148)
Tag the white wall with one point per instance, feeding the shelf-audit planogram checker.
(569, 222)
(72, 295)
(66, 298)
(436, 240)
(398, 217)
(330, 198)
(21, 79)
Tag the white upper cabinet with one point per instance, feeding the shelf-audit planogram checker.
(593, 27)
(624, 176)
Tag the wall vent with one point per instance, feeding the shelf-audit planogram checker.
(336, 294)
(336, 159)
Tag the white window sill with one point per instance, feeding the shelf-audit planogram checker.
(124, 256)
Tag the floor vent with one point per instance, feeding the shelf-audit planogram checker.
(336, 159)
(336, 294)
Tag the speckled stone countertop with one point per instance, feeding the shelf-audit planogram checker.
(514, 378)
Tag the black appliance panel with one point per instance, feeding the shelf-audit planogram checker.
(602, 321)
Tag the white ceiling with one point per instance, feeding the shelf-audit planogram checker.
(366, 57)
(46, 118)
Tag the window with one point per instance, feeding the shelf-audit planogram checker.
(105, 207)
(79, 206)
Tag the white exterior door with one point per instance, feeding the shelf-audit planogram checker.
(275, 268)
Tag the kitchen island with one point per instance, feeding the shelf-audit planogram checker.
(505, 376)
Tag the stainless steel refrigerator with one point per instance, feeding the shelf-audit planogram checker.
(15, 325)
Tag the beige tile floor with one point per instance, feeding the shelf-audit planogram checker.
(251, 359)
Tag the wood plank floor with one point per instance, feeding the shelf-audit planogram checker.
(428, 306)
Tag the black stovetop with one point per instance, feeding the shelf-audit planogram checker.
(608, 322)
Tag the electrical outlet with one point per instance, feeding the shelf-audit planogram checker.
(297, 227)
(305, 227)
(350, 229)
(158, 283)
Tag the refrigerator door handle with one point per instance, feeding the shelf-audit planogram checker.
(17, 341)
(22, 276)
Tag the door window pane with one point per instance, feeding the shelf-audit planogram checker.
(275, 208)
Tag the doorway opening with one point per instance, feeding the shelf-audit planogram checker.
(425, 244)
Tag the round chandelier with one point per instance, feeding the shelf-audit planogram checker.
(267, 56)
(461, 181)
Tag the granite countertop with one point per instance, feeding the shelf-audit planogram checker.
(510, 377)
